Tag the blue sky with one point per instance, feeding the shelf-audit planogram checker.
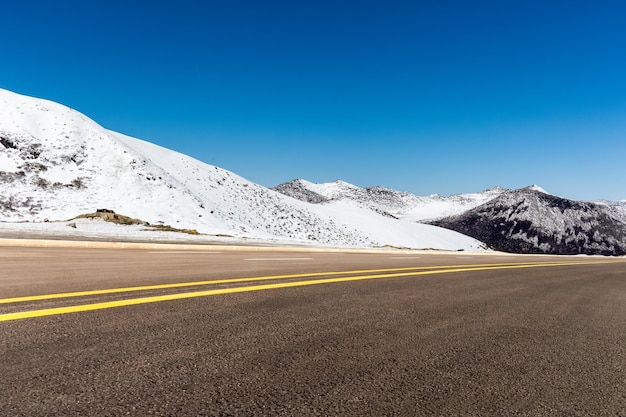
(422, 96)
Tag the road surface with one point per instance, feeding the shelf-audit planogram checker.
(244, 333)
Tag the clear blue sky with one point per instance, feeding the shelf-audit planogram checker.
(422, 96)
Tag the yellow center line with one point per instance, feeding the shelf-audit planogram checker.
(28, 298)
(181, 296)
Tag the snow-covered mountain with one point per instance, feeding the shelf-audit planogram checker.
(398, 204)
(528, 220)
(56, 163)
(531, 221)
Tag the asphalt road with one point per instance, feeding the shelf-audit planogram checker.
(309, 334)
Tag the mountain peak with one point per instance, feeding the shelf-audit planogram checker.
(535, 187)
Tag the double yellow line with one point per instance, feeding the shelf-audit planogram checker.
(337, 276)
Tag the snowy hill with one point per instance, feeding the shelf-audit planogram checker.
(56, 163)
(398, 204)
(531, 221)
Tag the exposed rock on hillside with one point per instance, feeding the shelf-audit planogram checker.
(298, 190)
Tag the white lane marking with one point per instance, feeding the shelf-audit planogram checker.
(277, 259)
(200, 252)
(405, 257)
(327, 253)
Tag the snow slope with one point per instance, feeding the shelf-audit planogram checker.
(56, 163)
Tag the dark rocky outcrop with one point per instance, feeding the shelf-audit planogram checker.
(529, 221)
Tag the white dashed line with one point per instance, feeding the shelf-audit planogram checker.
(278, 259)
(199, 252)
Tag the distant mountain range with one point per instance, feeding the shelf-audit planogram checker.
(56, 163)
(528, 220)
(397, 204)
